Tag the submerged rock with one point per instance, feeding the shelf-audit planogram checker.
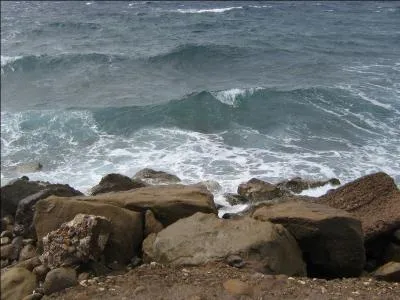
(257, 190)
(297, 184)
(154, 177)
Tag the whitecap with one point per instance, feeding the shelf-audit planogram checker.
(230, 96)
(210, 10)
(5, 60)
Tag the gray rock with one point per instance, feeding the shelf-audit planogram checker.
(257, 190)
(154, 177)
(116, 182)
(28, 251)
(40, 272)
(59, 279)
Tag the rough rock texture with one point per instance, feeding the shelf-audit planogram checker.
(17, 283)
(203, 238)
(126, 233)
(59, 279)
(331, 239)
(235, 199)
(30, 263)
(169, 203)
(116, 182)
(388, 272)
(151, 176)
(77, 241)
(152, 225)
(211, 185)
(297, 184)
(26, 207)
(257, 190)
(27, 252)
(373, 199)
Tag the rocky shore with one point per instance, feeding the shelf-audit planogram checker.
(151, 237)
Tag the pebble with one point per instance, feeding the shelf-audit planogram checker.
(301, 282)
(5, 240)
(323, 290)
(101, 289)
(139, 289)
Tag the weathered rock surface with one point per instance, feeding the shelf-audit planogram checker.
(203, 238)
(152, 225)
(235, 199)
(17, 283)
(151, 176)
(297, 184)
(27, 252)
(116, 182)
(211, 185)
(331, 239)
(77, 241)
(59, 279)
(373, 199)
(388, 272)
(169, 203)
(126, 230)
(26, 207)
(30, 263)
(257, 190)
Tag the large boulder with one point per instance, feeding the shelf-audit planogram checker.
(126, 229)
(59, 279)
(76, 241)
(116, 182)
(26, 207)
(331, 239)
(202, 238)
(15, 191)
(169, 203)
(257, 190)
(298, 184)
(16, 283)
(374, 200)
(151, 176)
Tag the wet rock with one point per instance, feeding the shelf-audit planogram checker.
(152, 225)
(59, 279)
(126, 229)
(331, 239)
(388, 272)
(154, 177)
(80, 240)
(297, 184)
(235, 199)
(26, 207)
(204, 238)
(116, 182)
(27, 252)
(16, 283)
(257, 190)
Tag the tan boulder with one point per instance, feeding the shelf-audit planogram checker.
(388, 272)
(169, 203)
(202, 238)
(59, 279)
(257, 190)
(151, 224)
(126, 232)
(151, 176)
(331, 239)
(16, 283)
(114, 183)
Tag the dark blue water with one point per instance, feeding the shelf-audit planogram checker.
(206, 90)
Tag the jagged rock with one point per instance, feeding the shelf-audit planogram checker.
(331, 239)
(152, 225)
(16, 283)
(388, 272)
(80, 240)
(257, 190)
(235, 199)
(126, 229)
(169, 203)
(59, 279)
(27, 252)
(203, 238)
(26, 207)
(15, 191)
(297, 184)
(151, 176)
(116, 182)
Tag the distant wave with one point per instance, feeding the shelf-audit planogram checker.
(210, 10)
(9, 59)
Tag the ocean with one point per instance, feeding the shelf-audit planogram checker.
(222, 91)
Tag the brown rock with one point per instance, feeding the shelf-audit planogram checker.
(41, 271)
(237, 287)
(388, 272)
(152, 225)
(34, 296)
(392, 253)
(297, 184)
(5, 240)
(6, 251)
(59, 279)
(27, 252)
(373, 199)
(203, 238)
(151, 176)
(235, 199)
(331, 240)
(116, 182)
(257, 190)
(30, 263)
(169, 203)
(17, 283)
(7, 233)
(126, 226)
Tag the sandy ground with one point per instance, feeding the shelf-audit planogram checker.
(218, 281)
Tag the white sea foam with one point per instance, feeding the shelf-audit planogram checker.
(318, 191)
(9, 59)
(230, 96)
(210, 10)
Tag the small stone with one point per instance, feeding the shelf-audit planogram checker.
(237, 287)
(83, 276)
(41, 272)
(323, 290)
(4, 263)
(356, 293)
(6, 233)
(139, 289)
(301, 282)
(101, 289)
(235, 261)
(5, 240)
